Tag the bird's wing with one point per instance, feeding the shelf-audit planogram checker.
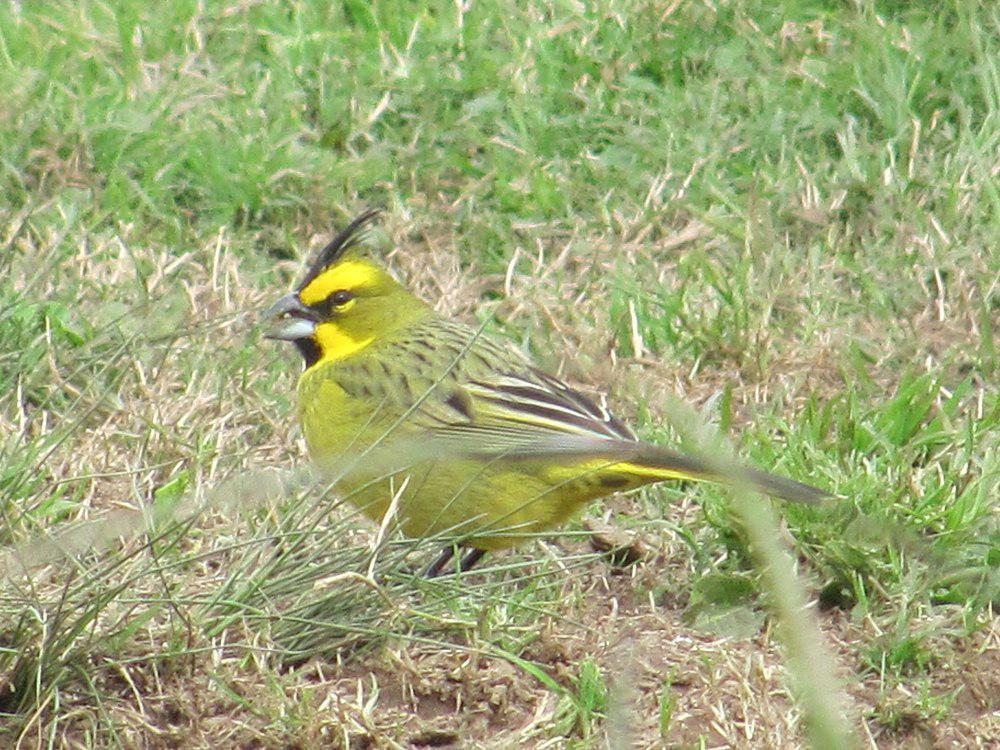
(517, 411)
(538, 401)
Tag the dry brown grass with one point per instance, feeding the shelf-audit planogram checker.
(839, 169)
(173, 407)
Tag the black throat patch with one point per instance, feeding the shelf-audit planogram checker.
(309, 350)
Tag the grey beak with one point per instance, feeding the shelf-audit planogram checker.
(289, 319)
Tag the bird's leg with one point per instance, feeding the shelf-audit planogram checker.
(470, 560)
(435, 568)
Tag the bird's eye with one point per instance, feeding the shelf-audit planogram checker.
(341, 298)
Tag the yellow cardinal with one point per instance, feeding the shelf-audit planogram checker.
(504, 449)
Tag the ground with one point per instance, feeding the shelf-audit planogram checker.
(785, 216)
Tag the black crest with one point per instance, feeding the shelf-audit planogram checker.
(347, 238)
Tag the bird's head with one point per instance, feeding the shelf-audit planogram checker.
(344, 303)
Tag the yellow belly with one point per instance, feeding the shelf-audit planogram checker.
(489, 505)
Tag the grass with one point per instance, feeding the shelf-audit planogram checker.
(785, 213)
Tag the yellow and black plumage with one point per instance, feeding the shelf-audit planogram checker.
(504, 448)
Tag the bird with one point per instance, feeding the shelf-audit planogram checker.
(490, 448)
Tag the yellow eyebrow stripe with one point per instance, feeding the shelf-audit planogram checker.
(351, 275)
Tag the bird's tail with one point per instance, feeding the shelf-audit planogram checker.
(624, 463)
(661, 464)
